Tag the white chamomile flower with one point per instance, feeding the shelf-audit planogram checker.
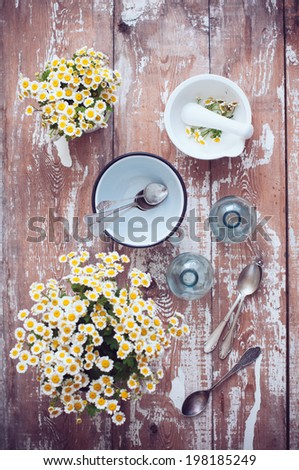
(23, 314)
(70, 129)
(112, 406)
(25, 83)
(78, 97)
(47, 389)
(21, 367)
(29, 111)
(105, 364)
(30, 324)
(20, 334)
(150, 387)
(59, 94)
(61, 106)
(68, 93)
(90, 114)
(118, 418)
(14, 353)
(42, 96)
(34, 87)
(88, 102)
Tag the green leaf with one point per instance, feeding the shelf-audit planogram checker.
(76, 287)
(45, 75)
(112, 343)
(130, 362)
(107, 331)
(102, 300)
(91, 410)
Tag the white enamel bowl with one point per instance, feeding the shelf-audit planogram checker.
(123, 178)
(205, 86)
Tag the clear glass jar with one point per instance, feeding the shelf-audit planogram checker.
(232, 219)
(190, 276)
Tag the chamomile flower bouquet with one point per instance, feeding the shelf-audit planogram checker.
(94, 342)
(73, 96)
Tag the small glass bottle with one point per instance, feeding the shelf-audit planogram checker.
(189, 276)
(232, 219)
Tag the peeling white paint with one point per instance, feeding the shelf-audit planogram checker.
(125, 68)
(160, 121)
(266, 142)
(104, 6)
(181, 66)
(235, 395)
(135, 10)
(205, 22)
(265, 62)
(216, 185)
(165, 93)
(136, 424)
(143, 63)
(280, 94)
(73, 198)
(251, 420)
(79, 22)
(271, 5)
(177, 393)
(275, 277)
(291, 56)
(280, 91)
(293, 239)
(294, 96)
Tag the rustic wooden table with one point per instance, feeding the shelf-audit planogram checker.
(156, 44)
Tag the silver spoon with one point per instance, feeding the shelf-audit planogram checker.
(254, 274)
(195, 403)
(152, 195)
(248, 283)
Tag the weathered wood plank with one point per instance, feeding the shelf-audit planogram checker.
(158, 46)
(292, 106)
(35, 181)
(251, 41)
(2, 359)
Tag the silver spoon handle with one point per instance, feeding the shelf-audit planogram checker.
(227, 343)
(103, 205)
(248, 357)
(106, 213)
(213, 339)
(99, 217)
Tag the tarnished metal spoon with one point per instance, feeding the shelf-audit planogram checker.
(152, 195)
(195, 403)
(248, 282)
(255, 275)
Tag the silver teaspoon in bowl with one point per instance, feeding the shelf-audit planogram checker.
(195, 403)
(248, 282)
(152, 195)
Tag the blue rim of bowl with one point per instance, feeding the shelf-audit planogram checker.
(157, 157)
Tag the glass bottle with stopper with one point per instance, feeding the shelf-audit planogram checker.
(232, 219)
(189, 276)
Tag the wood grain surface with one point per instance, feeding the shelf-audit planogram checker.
(292, 134)
(156, 44)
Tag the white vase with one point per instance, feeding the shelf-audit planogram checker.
(62, 145)
(95, 128)
(63, 150)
